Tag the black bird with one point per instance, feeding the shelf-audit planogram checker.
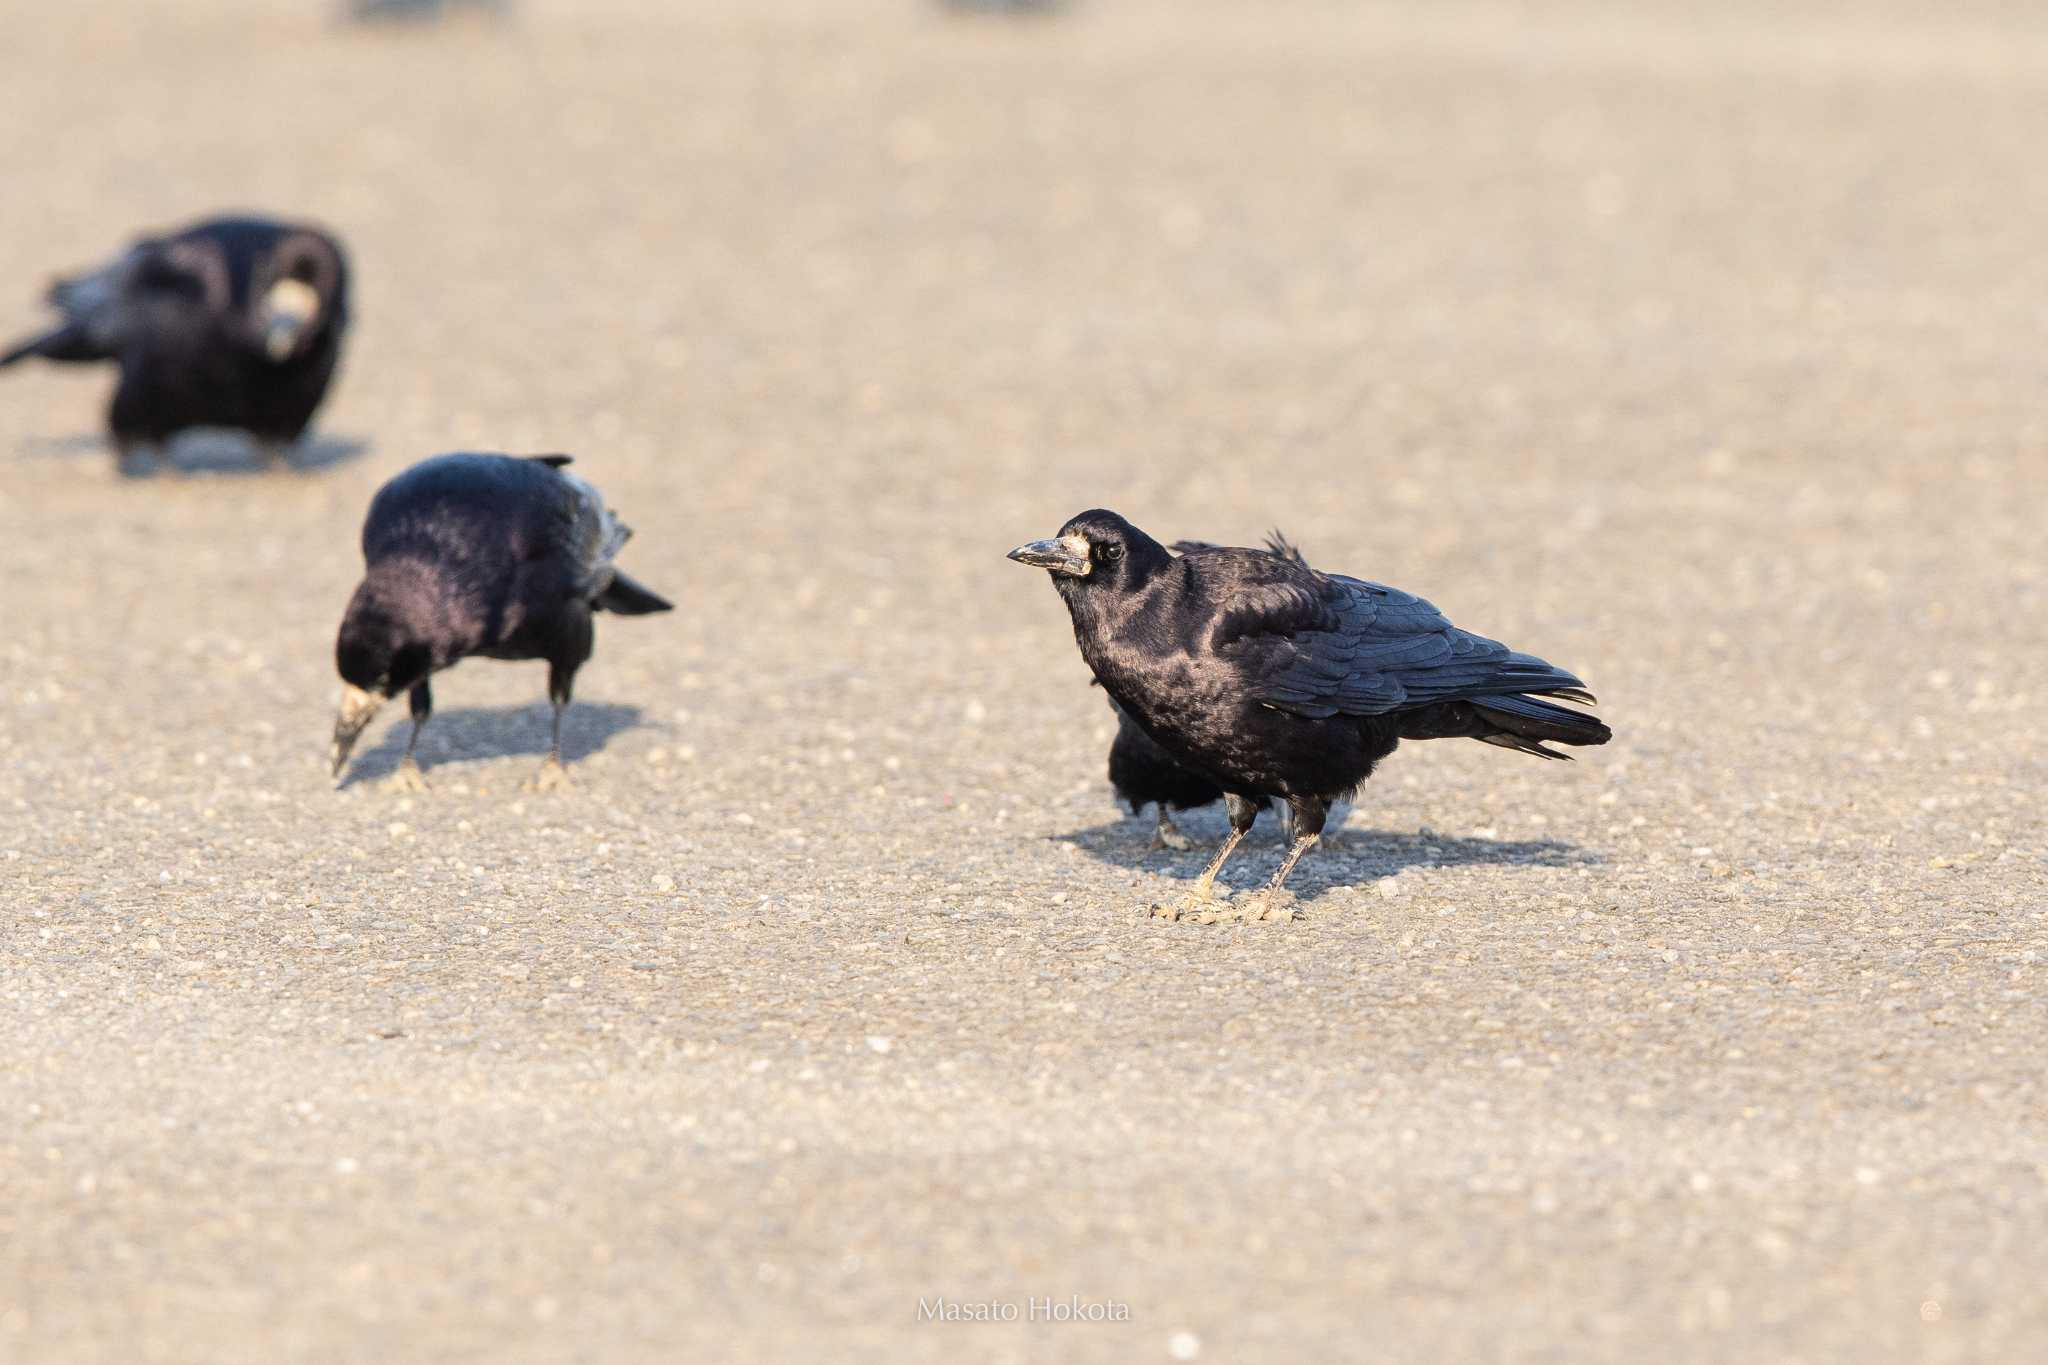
(497, 555)
(233, 322)
(1280, 682)
(1143, 774)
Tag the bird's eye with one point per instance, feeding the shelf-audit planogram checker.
(1109, 552)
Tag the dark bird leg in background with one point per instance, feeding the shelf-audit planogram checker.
(408, 776)
(1170, 835)
(136, 457)
(1329, 841)
(552, 775)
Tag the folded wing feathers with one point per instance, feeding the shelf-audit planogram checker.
(595, 535)
(1390, 651)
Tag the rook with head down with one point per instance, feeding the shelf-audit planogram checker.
(491, 555)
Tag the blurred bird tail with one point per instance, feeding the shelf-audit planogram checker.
(1524, 723)
(66, 341)
(628, 598)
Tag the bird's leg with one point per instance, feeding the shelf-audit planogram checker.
(408, 777)
(1170, 835)
(273, 452)
(1306, 816)
(135, 457)
(1329, 841)
(1301, 846)
(1242, 815)
(1336, 840)
(552, 775)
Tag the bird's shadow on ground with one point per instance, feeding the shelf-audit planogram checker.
(1356, 855)
(206, 452)
(462, 734)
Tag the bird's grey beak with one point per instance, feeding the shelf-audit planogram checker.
(1067, 555)
(288, 311)
(357, 708)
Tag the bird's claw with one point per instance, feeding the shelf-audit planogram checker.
(1253, 907)
(552, 777)
(1170, 835)
(136, 462)
(1275, 905)
(407, 777)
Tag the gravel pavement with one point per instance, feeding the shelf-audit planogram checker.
(1697, 350)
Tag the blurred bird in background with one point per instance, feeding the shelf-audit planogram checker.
(422, 11)
(232, 322)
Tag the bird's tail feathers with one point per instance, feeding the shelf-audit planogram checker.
(65, 341)
(1525, 722)
(628, 598)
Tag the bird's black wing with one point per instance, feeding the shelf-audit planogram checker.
(178, 281)
(591, 537)
(588, 535)
(95, 311)
(1322, 645)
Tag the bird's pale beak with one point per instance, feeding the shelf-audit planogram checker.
(1067, 555)
(288, 311)
(357, 708)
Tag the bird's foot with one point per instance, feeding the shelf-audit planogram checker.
(407, 777)
(552, 777)
(272, 455)
(1332, 841)
(1170, 835)
(136, 461)
(1275, 904)
(1252, 907)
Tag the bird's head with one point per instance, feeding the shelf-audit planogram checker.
(378, 658)
(1094, 551)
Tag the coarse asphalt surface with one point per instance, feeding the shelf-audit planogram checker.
(1696, 349)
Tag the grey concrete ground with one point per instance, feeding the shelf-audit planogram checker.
(1697, 350)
